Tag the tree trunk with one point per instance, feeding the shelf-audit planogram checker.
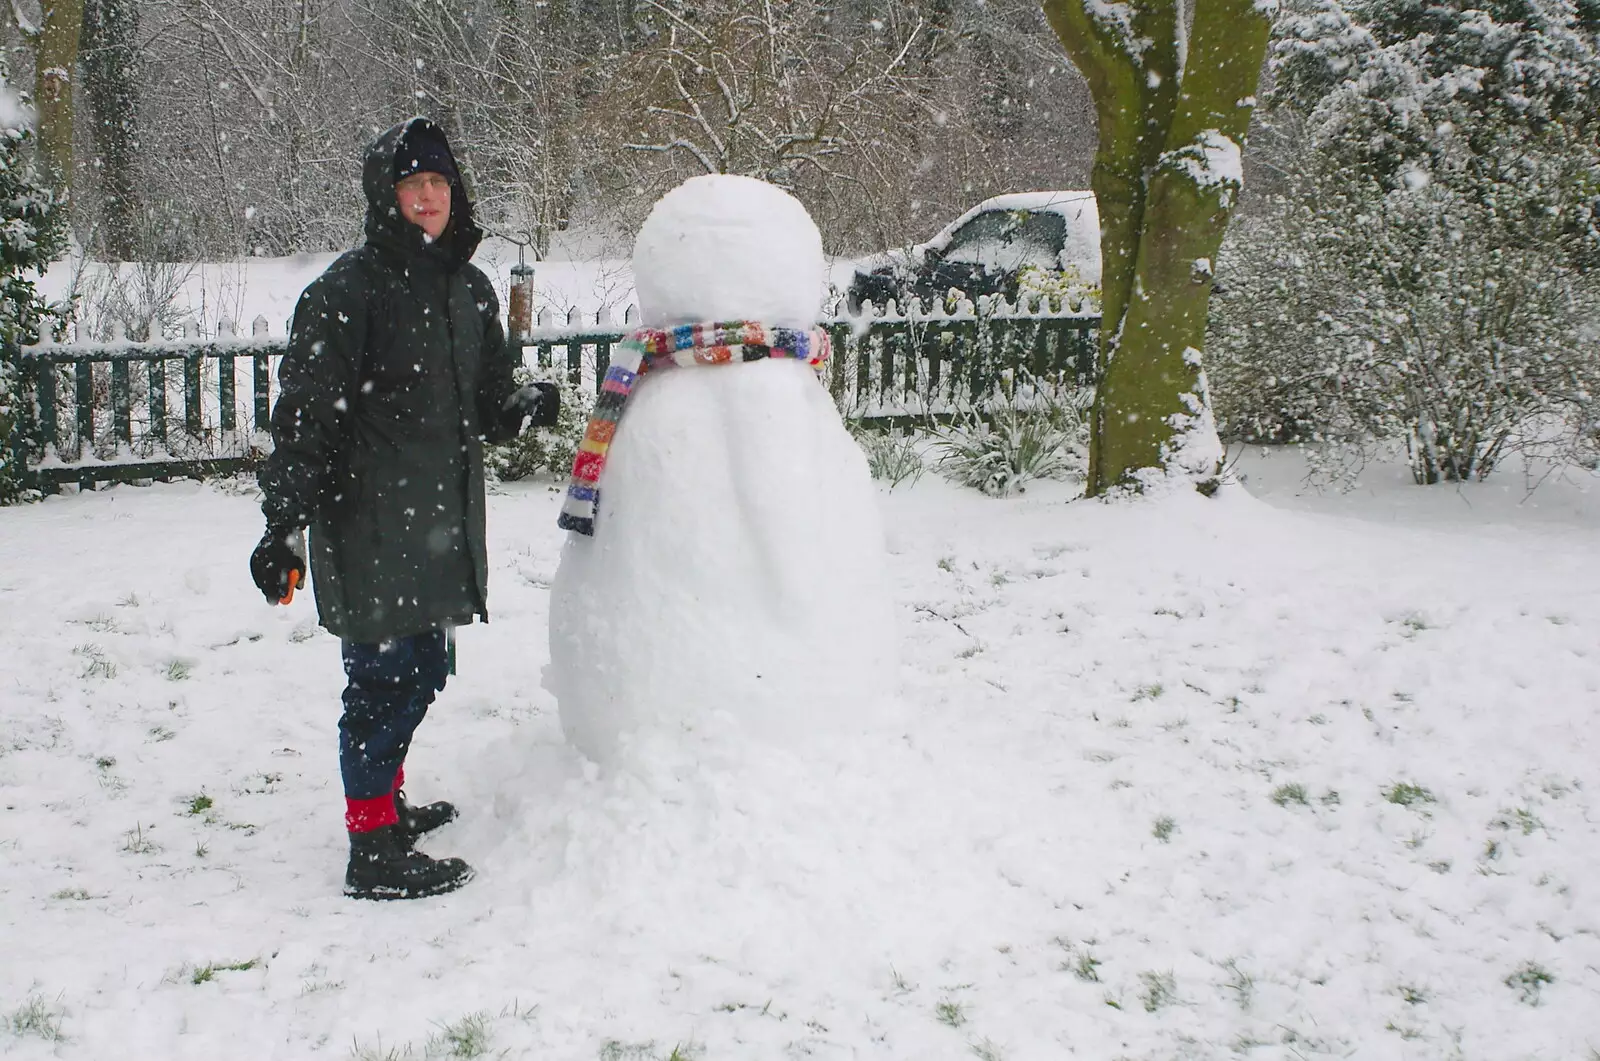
(110, 66)
(1166, 176)
(55, 57)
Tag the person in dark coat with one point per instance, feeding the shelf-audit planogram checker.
(397, 373)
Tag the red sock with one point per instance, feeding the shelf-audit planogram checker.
(365, 815)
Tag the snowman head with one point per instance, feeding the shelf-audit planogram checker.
(726, 248)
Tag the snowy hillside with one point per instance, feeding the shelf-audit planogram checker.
(1270, 778)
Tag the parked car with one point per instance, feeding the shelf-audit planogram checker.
(1002, 245)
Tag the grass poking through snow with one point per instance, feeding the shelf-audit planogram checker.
(39, 1019)
(1406, 794)
(616, 1050)
(377, 1052)
(206, 973)
(136, 842)
(1529, 981)
(1293, 792)
(462, 1039)
(1160, 989)
(987, 1051)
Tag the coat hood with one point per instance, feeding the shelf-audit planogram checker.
(387, 229)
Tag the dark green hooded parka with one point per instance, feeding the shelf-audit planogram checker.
(396, 373)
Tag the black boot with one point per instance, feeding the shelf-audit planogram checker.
(414, 821)
(381, 867)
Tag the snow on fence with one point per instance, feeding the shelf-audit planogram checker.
(890, 366)
(126, 410)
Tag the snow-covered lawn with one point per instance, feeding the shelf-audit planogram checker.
(1271, 778)
(239, 291)
(583, 278)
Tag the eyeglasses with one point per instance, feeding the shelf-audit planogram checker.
(433, 182)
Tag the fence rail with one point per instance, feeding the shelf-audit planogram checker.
(125, 410)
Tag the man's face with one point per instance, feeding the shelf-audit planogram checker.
(425, 201)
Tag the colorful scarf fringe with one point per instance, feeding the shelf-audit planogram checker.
(649, 350)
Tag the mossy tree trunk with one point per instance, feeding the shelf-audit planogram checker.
(110, 54)
(54, 43)
(1173, 105)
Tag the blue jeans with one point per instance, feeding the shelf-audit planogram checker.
(391, 685)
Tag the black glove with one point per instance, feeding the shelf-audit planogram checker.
(537, 403)
(280, 553)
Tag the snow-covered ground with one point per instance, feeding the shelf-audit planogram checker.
(238, 292)
(580, 279)
(1283, 776)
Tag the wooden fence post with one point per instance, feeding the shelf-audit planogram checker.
(971, 335)
(575, 349)
(1045, 353)
(121, 392)
(158, 400)
(543, 355)
(930, 351)
(191, 393)
(225, 381)
(602, 346)
(861, 350)
(83, 395)
(910, 346)
(938, 347)
(886, 351)
(261, 379)
(44, 370)
(839, 360)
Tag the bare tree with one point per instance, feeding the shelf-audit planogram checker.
(829, 103)
(236, 126)
(506, 81)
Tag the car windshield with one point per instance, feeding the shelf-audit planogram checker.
(1007, 240)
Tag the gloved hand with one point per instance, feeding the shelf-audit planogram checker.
(280, 554)
(538, 404)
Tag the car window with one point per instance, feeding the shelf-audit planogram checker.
(1008, 240)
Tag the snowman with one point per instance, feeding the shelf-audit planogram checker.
(723, 579)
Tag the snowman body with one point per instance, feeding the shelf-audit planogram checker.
(734, 588)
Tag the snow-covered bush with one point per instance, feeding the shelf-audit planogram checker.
(1495, 100)
(146, 298)
(29, 238)
(892, 458)
(1065, 288)
(1029, 428)
(542, 449)
(1427, 276)
(12, 427)
(1438, 332)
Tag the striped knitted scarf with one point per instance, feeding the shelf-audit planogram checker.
(650, 350)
